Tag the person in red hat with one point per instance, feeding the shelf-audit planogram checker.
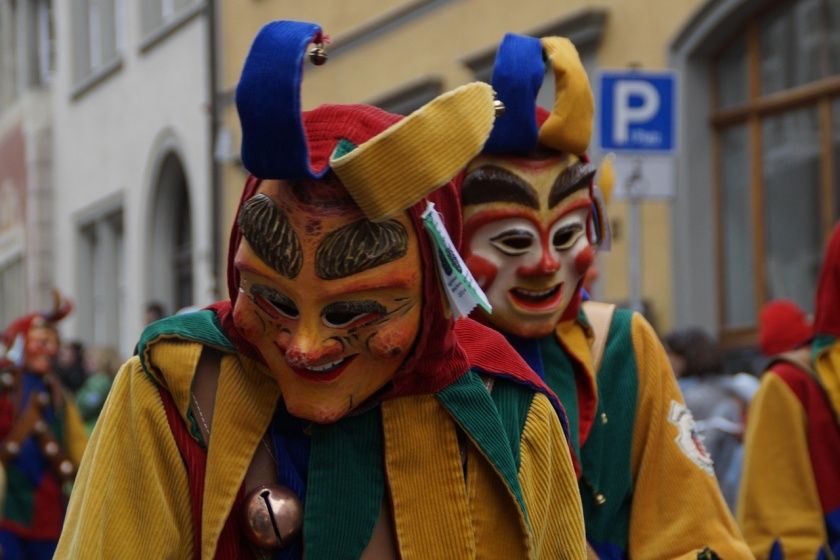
(42, 437)
(782, 327)
(332, 407)
(789, 503)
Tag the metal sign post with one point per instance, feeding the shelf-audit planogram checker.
(637, 118)
(633, 189)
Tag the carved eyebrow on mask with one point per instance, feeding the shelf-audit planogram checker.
(271, 236)
(571, 179)
(493, 184)
(360, 246)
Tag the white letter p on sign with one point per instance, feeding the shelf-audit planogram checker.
(624, 115)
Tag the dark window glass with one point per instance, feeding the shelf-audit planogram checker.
(739, 264)
(793, 233)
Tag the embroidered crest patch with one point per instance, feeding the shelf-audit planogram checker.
(688, 439)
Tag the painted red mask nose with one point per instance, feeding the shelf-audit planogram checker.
(547, 265)
(302, 355)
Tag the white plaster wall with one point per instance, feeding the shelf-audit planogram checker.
(107, 144)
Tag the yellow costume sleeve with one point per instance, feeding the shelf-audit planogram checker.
(778, 498)
(677, 507)
(131, 497)
(549, 486)
(75, 435)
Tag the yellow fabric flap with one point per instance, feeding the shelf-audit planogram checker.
(407, 161)
(175, 362)
(245, 403)
(782, 502)
(599, 316)
(573, 337)
(426, 480)
(569, 126)
(549, 486)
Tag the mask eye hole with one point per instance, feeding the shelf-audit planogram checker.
(513, 242)
(351, 314)
(273, 303)
(565, 237)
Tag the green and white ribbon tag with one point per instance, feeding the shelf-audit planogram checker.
(462, 291)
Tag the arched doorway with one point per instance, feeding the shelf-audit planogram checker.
(170, 280)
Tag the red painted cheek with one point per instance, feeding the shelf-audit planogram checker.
(483, 270)
(392, 343)
(584, 260)
(247, 323)
(283, 340)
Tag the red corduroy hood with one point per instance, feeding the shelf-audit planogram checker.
(827, 320)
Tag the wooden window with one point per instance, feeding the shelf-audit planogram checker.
(12, 290)
(156, 14)
(96, 37)
(776, 122)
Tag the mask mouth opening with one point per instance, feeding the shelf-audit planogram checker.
(537, 300)
(325, 372)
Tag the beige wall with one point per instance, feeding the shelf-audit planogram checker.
(435, 44)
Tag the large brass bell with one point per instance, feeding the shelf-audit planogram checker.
(318, 54)
(272, 516)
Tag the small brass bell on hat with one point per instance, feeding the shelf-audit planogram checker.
(318, 54)
(498, 107)
(272, 516)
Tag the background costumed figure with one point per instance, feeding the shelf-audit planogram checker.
(533, 218)
(789, 503)
(42, 436)
(332, 408)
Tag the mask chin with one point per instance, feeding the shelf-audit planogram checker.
(520, 326)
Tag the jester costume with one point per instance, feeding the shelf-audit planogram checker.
(336, 368)
(42, 437)
(789, 504)
(532, 219)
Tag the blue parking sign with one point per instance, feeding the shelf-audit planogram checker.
(637, 111)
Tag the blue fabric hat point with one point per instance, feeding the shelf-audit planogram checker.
(517, 76)
(274, 144)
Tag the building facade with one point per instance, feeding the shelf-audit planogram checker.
(112, 146)
(27, 64)
(755, 183)
(759, 178)
(131, 169)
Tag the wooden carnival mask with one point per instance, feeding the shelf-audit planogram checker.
(331, 300)
(40, 348)
(526, 224)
